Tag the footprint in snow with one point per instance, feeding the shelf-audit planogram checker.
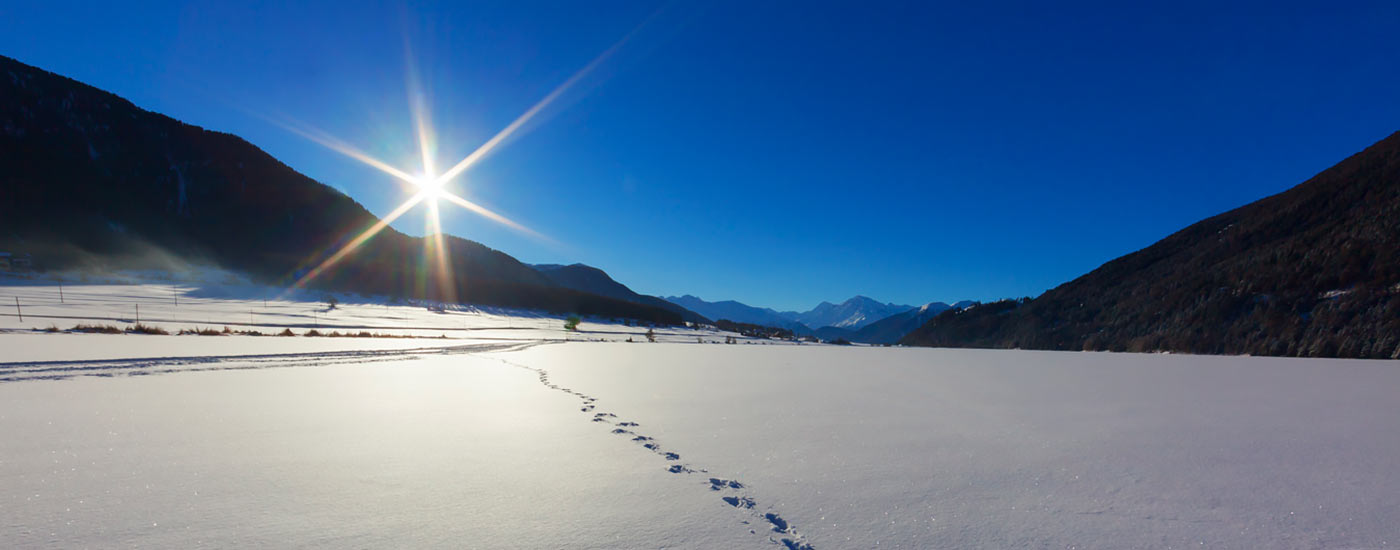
(779, 524)
(740, 502)
(717, 484)
(628, 424)
(795, 545)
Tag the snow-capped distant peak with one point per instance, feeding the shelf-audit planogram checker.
(935, 306)
(854, 313)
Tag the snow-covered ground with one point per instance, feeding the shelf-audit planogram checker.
(516, 439)
(28, 308)
(924, 448)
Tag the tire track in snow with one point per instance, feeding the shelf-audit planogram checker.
(784, 534)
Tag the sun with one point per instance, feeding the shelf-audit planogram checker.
(430, 187)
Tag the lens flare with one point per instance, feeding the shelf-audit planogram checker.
(357, 241)
(430, 186)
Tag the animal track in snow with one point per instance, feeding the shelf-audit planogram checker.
(717, 484)
(795, 545)
(791, 541)
(779, 524)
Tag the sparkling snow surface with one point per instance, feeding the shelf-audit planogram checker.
(513, 442)
(446, 452)
(921, 448)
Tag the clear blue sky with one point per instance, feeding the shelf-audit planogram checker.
(780, 153)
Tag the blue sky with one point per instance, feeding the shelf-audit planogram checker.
(779, 153)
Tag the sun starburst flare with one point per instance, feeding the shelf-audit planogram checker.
(429, 186)
(427, 189)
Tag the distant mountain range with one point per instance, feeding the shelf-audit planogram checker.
(737, 312)
(89, 179)
(859, 319)
(890, 329)
(1313, 271)
(850, 314)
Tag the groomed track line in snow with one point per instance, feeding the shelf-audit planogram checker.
(313, 324)
(141, 366)
(732, 490)
(318, 325)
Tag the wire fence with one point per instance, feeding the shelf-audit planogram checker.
(32, 305)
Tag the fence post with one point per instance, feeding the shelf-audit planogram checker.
(138, 314)
(18, 311)
(60, 293)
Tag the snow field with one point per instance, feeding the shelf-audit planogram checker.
(924, 448)
(441, 452)
(176, 306)
(510, 437)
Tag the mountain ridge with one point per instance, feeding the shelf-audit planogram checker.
(1311, 271)
(735, 311)
(848, 317)
(892, 328)
(134, 186)
(591, 279)
(854, 313)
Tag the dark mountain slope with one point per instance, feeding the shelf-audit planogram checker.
(87, 177)
(596, 281)
(1313, 271)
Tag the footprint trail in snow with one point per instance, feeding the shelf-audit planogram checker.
(783, 533)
